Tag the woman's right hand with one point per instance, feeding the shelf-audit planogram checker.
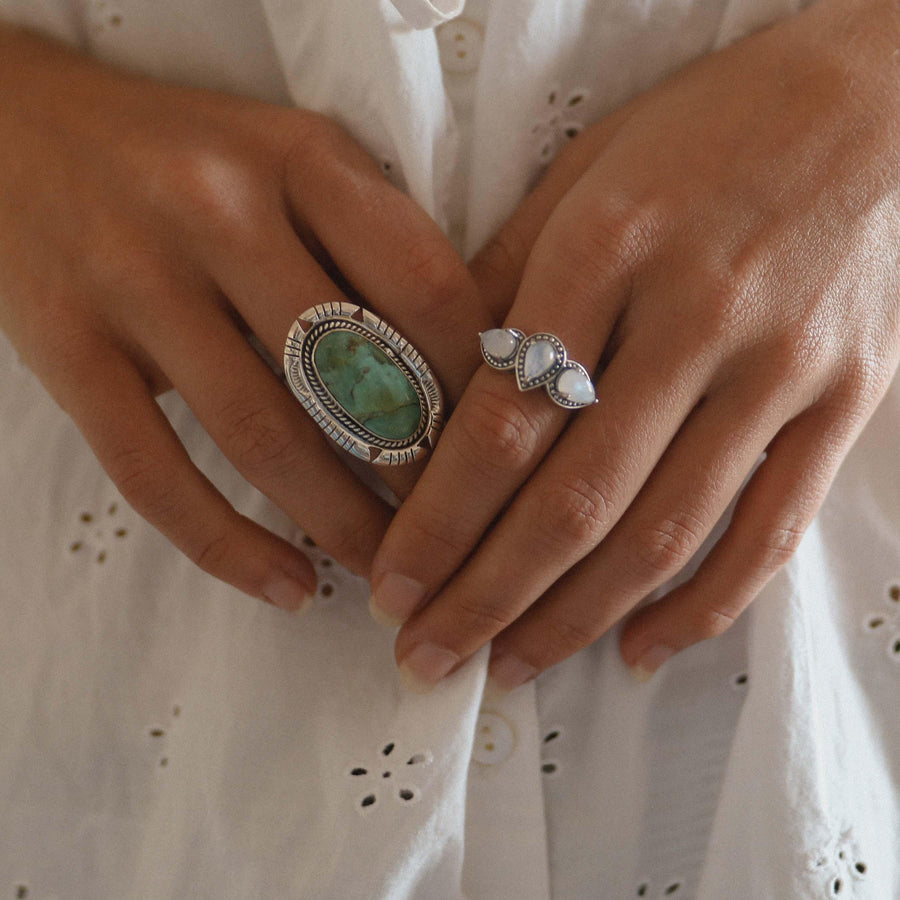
(143, 228)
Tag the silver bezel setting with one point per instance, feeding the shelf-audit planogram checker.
(507, 362)
(560, 399)
(305, 382)
(528, 384)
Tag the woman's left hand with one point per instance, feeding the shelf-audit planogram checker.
(727, 246)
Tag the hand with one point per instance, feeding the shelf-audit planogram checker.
(143, 228)
(726, 247)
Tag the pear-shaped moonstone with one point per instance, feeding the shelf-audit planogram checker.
(540, 358)
(574, 385)
(499, 343)
(370, 387)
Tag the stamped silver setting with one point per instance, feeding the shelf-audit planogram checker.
(308, 386)
(539, 360)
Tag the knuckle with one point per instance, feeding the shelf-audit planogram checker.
(439, 538)
(73, 346)
(561, 638)
(723, 309)
(710, 621)
(712, 325)
(256, 441)
(496, 435)
(776, 545)
(617, 239)
(435, 274)
(317, 149)
(863, 380)
(483, 617)
(795, 353)
(577, 512)
(219, 194)
(663, 547)
(312, 139)
(213, 553)
(137, 474)
(503, 254)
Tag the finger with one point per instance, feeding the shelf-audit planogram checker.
(498, 434)
(140, 451)
(661, 530)
(391, 251)
(771, 517)
(262, 430)
(270, 278)
(567, 508)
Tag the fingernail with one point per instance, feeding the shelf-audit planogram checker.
(652, 659)
(287, 593)
(395, 599)
(425, 666)
(506, 673)
(382, 618)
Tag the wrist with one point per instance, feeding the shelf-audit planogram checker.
(864, 36)
(854, 45)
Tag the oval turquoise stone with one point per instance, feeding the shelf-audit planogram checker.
(372, 389)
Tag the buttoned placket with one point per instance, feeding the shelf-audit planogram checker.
(460, 46)
(506, 852)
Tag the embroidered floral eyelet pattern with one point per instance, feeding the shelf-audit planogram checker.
(158, 738)
(885, 623)
(839, 866)
(99, 533)
(673, 888)
(393, 172)
(550, 766)
(558, 121)
(392, 776)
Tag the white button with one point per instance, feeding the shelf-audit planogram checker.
(494, 739)
(460, 43)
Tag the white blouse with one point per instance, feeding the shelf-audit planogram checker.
(163, 736)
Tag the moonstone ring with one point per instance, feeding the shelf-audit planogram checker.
(363, 383)
(539, 360)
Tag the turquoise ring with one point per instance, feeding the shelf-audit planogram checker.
(363, 383)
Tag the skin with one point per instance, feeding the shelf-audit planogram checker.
(144, 230)
(149, 227)
(723, 251)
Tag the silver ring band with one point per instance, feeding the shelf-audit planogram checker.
(539, 360)
(363, 383)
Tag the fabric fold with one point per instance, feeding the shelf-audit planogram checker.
(428, 13)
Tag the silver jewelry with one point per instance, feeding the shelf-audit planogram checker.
(363, 383)
(539, 360)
